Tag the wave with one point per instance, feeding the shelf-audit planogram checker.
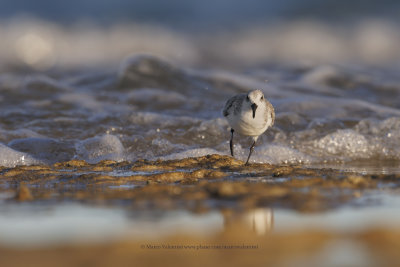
(151, 108)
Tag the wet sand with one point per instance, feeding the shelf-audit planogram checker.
(190, 183)
(200, 185)
(376, 247)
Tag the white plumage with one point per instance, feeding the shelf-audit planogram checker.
(249, 114)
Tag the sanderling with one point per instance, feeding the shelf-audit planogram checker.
(249, 114)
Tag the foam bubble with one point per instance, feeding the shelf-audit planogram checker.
(11, 158)
(346, 143)
(162, 146)
(273, 154)
(368, 139)
(384, 136)
(46, 149)
(208, 132)
(106, 147)
(386, 128)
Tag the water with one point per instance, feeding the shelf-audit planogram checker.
(32, 225)
(151, 108)
(141, 91)
(135, 89)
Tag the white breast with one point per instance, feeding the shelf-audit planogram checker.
(245, 124)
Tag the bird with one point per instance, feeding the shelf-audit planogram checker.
(249, 114)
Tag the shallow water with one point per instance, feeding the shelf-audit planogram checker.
(35, 224)
(149, 108)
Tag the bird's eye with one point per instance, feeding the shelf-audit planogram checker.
(247, 98)
(262, 97)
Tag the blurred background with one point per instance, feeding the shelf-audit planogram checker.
(43, 34)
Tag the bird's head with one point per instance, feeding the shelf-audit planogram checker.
(255, 98)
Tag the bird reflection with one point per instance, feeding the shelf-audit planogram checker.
(259, 220)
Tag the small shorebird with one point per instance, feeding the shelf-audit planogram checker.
(249, 114)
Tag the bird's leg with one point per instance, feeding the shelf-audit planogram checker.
(251, 151)
(231, 142)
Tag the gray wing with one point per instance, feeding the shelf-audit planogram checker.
(270, 109)
(234, 104)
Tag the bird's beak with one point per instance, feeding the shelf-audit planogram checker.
(254, 107)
